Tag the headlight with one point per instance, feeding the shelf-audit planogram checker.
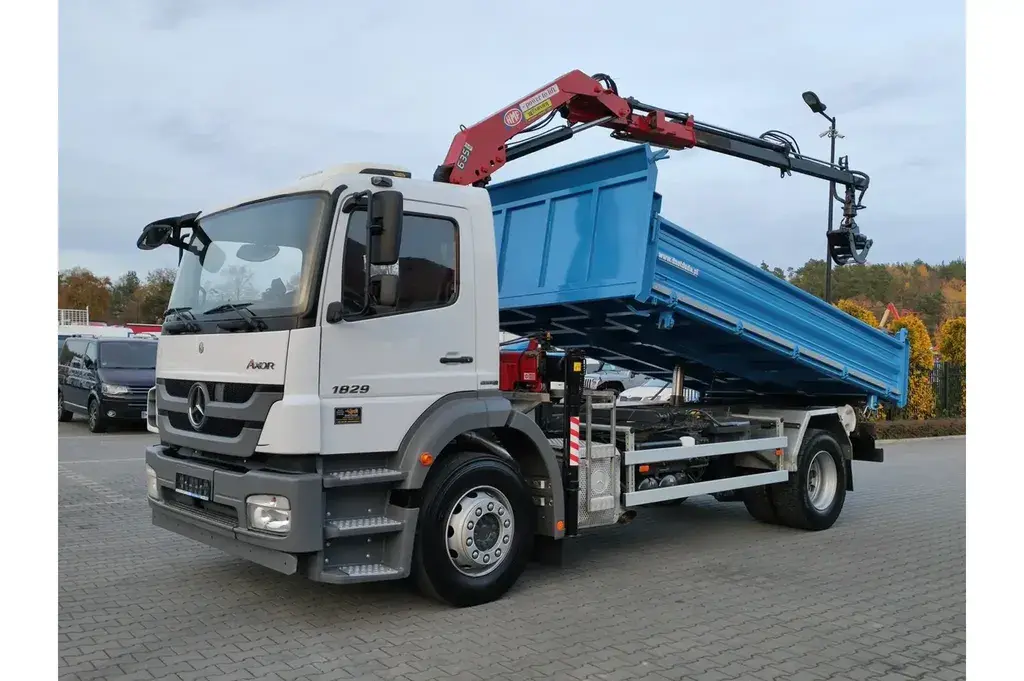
(152, 486)
(269, 513)
(114, 389)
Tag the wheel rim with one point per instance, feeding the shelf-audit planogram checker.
(822, 481)
(94, 413)
(60, 404)
(480, 531)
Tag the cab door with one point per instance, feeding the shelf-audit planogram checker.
(380, 371)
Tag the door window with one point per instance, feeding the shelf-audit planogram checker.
(426, 271)
(92, 354)
(73, 351)
(66, 354)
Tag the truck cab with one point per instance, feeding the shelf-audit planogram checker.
(324, 345)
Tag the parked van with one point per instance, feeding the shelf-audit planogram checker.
(105, 379)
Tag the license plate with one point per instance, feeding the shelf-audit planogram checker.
(197, 488)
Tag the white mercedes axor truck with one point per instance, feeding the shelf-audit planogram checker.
(330, 400)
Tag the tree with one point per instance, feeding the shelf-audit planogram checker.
(933, 293)
(153, 297)
(123, 299)
(953, 350)
(777, 271)
(78, 288)
(859, 311)
(953, 341)
(921, 397)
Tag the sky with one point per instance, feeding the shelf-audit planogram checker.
(170, 106)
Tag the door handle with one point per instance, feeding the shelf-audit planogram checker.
(457, 360)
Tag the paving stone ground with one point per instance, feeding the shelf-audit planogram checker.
(696, 592)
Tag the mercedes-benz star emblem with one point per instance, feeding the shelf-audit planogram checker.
(198, 398)
(201, 348)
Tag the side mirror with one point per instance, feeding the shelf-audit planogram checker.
(386, 230)
(154, 235)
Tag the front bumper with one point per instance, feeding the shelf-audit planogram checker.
(123, 409)
(222, 522)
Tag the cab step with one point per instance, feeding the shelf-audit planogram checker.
(352, 527)
(363, 476)
(370, 572)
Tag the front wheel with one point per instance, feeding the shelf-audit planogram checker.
(616, 388)
(475, 530)
(96, 422)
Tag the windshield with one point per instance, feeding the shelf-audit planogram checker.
(654, 383)
(261, 253)
(127, 355)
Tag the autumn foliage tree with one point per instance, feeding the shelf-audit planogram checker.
(78, 288)
(126, 300)
(859, 311)
(953, 350)
(934, 292)
(921, 397)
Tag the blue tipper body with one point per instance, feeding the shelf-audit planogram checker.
(584, 254)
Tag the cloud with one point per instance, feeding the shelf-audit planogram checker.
(169, 106)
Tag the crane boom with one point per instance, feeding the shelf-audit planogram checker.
(585, 102)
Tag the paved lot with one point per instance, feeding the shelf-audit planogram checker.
(696, 592)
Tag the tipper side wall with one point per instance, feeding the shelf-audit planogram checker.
(583, 253)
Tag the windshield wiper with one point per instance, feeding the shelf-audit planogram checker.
(182, 320)
(250, 323)
(184, 312)
(228, 307)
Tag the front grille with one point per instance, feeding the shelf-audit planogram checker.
(216, 427)
(235, 393)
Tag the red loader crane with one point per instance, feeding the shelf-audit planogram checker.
(586, 102)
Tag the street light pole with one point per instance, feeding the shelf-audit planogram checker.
(817, 106)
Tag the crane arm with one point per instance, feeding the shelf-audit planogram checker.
(585, 102)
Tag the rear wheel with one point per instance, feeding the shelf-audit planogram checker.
(63, 415)
(814, 496)
(97, 424)
(759, 504)
(475, 530)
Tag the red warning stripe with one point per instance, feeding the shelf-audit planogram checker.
(574, 441)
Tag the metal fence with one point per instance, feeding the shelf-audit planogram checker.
(947, 382)
(948, 386)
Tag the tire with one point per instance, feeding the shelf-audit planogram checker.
(63, 415)
(97, 424)
(814, 497)
(614, 386)
(446, 516)
(758, 501)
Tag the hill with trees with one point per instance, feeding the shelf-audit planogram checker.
(934, 293)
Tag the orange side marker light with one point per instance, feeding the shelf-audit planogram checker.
(426, 458)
